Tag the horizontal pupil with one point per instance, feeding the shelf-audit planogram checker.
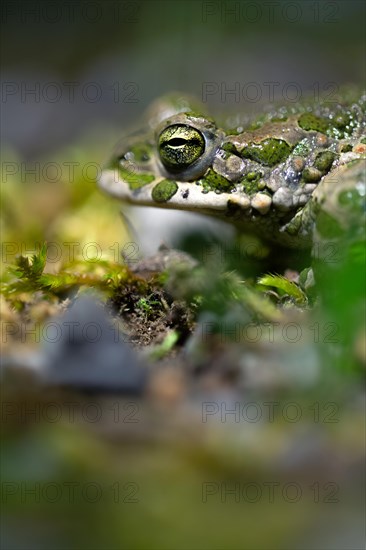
(175, 142)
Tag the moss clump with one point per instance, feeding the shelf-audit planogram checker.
(164, 190)
(269, 152)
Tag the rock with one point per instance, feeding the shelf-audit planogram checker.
(82, 349)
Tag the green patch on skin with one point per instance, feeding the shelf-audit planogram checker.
(308, 121)
(311, 175)
(338, 125)
(342, 120)
(328, 226)
(135, 180)
(197, 114)
(164, 190)
(235, 131)
(342, 125)
(346, 148)
(302, 149)
(140, 153)
(251, 176)
(230, 148)
(269, 152)
(281, 118)
(214, 182)
(322, 164)
(250, 183)
(324, 161)
(258, 123)
(294, 226)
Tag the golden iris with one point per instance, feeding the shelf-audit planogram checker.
(179, 146)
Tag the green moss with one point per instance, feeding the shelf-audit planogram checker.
(284, 287)
(324, 161)
(214, 182)
(164, 190)
(308, 121)
(269, 152)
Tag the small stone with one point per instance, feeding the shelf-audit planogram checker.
(90, 353)
(261, 202)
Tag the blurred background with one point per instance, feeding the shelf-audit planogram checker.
(71, 69)
(76, 76)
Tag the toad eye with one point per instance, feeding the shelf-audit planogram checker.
(180, 146)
